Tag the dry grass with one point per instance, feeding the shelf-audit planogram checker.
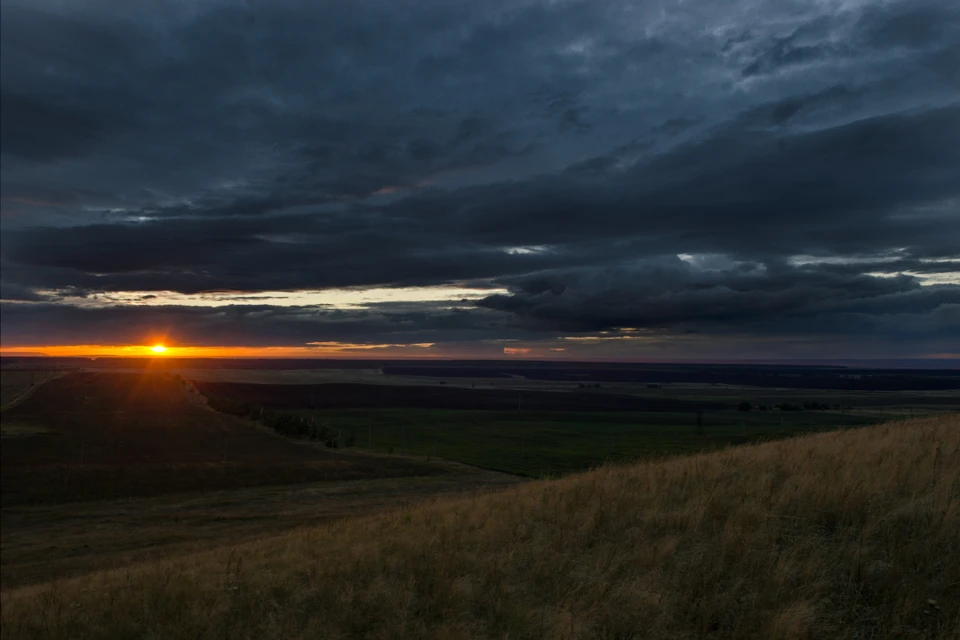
(850, 534)
(46, 542)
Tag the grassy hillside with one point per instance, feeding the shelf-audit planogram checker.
(844, 534)
(98, 436)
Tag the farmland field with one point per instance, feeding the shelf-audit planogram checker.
(535, 432)
(438, 396)
(535, 427)
(537, 443)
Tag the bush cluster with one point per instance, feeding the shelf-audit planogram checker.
(288, 424)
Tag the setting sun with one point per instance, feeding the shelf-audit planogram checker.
(158, 348)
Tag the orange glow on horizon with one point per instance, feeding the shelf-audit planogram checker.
(325, 349)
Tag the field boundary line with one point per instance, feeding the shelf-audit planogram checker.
(29, 392)
(196, 397)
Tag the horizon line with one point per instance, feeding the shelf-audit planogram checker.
(940, 359)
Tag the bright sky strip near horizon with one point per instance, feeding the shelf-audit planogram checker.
(727, 180)
(333, 298)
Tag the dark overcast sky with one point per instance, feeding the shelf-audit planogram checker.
(662, 179)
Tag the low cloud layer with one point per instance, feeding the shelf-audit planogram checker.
(755, 178)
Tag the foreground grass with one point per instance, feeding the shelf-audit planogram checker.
(25, 485)
(844, 534)
(539, 443)
(49, 542)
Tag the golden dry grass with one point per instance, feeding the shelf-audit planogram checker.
(851, 534)
(47, 542)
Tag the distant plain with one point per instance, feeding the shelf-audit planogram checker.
(108, 465)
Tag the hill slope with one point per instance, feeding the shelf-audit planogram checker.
(94, 436)
(846, 534)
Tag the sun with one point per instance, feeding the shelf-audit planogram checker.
(158, 349)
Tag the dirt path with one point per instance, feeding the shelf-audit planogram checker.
(30, 391)
(46, 542)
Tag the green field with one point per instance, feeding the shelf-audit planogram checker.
(552, 443)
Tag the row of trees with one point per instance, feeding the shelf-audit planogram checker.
(288, 424)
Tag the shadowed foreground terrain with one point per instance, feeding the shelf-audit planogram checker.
(844, 534)
(99, 436)
(107, 470)
(46, 542)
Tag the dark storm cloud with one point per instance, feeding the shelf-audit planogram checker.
(702, 197)
(912, 24)
(66, 132)
(569, 151)
(672, 293)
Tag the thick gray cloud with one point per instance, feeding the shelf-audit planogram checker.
(675, 293)
(797, 156)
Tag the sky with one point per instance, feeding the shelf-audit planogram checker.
(642, 180)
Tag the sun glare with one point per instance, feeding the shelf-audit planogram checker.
(159, 349)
